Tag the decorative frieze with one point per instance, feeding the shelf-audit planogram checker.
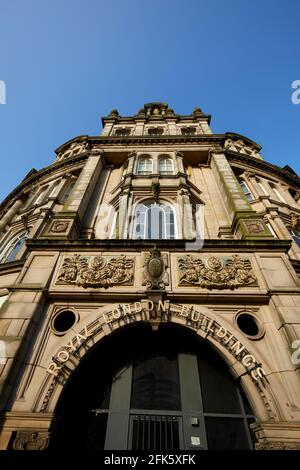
(96, 271)
(216, 272)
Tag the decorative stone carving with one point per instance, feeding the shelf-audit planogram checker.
(241, 147)
(59, 226)
(96, 271)
(216, 149)
(155, 187)
(295, 219)
(132, 154)
(74, 149)
(197, 112)
(254, 226)
(154, 272)
(114, 113)
(96, 152)
(277, 445)
(216, 272)
(28, 440)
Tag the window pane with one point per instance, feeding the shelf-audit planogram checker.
(246, 191)
(15, 250)
(155, 229)
(219, 390)
(68, 191)
(226, 434)
(145, 166)
(155, 384)
(159, 220)
(165, 166)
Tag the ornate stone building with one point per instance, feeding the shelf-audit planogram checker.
(150, 293)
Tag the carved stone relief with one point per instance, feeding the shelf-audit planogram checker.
(96, 271)
(28, 440)
(216, 272)
(241, 147)
(59, 226)
(254, 226)
(155, 276)
(277, 445)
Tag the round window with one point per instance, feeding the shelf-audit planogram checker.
(249, 325)
(63, 321)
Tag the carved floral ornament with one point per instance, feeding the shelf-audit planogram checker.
(216, 272)
(96, 271)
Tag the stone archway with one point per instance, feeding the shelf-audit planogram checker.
(71, 350)
(139, 382)
(199, 320)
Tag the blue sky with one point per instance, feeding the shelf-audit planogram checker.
(66, 63)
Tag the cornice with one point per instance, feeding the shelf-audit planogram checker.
(11, 267)
(161, 139)
(154, 118)
(167, 245)
(263, 165)
(43, 172)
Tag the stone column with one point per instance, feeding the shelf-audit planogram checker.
(245, 221)
(139, 127)
(67, 223)
(6, 219)
(172, 128)
(179, 162)
(187, 224)
(130, 167)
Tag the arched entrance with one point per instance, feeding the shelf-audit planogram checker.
(141, 389)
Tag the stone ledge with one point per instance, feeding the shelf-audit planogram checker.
(167, 245)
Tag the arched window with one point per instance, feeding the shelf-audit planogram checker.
(246, 191)
(165, 166)
(145, 166)
(11, 251)
(278, 196)
(41, 195)
(68, 189)
(154, 220)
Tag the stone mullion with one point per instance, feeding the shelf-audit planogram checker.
(187, 223)
(179, 162)
(123, 215)
(7, 218)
